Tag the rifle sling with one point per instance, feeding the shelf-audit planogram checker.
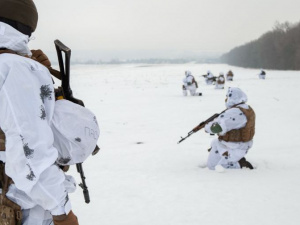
(54, 72)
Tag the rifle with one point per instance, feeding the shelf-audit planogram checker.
(199, 127)
(202, 124)
(67, 93)
(214, 78)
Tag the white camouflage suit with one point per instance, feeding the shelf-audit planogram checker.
(209, 78)
(27, 106)
(233, 118)
(189, 84)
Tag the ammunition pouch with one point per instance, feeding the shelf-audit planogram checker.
(10, 212)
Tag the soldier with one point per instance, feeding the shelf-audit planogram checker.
(229, 75)
(220, 81)
(190, 84)
(38, 186)
(262, 75)
(235, 128)
(210, 78)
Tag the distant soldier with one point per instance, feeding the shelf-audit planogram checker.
(190, 84)
(209, 78)
(262, 75)
(220, 82)
(229, 75)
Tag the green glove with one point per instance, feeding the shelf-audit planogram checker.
(216, 128)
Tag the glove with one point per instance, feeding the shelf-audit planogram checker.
(41, 57)
(216, 128)
(69, 219)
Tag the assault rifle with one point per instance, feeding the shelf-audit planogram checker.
(214, 78)
(199, 127)
(202, 124)
(67, 93)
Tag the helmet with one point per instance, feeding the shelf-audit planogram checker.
(20, 14)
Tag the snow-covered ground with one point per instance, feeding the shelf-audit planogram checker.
(141, 176)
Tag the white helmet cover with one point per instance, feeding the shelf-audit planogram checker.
(75, 131)
(235, 96)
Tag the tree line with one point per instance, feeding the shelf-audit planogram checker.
(277, 49)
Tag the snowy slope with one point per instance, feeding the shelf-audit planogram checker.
(142, 176)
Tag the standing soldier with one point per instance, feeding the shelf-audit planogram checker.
(38, 188)
(235, 128)
(190, 84)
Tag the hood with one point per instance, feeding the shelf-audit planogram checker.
(187, 73)
(12, 39)
(235, 96)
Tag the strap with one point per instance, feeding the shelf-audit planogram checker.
(4, 179)
(54, 72)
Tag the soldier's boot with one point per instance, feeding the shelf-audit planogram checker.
(245, 164)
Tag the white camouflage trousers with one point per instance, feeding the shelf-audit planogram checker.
(191, 88)
(236, 151)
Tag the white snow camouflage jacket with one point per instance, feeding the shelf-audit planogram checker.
(233, 118)
(27, 105)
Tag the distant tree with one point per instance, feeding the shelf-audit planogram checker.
(276, 49)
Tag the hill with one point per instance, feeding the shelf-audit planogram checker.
(277, 49)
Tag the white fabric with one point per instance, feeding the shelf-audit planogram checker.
(188, 80)
(229, 78)
(262, 76)
(209, 77)
(75, 130)
(236, 151)
(220, 86)
(27, 106)
(235, 96)
(187, 73)
(12, 39)
(231, 119)
(221, 78)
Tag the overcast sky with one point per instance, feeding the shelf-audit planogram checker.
(157, 28)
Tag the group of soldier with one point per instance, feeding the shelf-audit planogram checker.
(235, 126)
(190, 84)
